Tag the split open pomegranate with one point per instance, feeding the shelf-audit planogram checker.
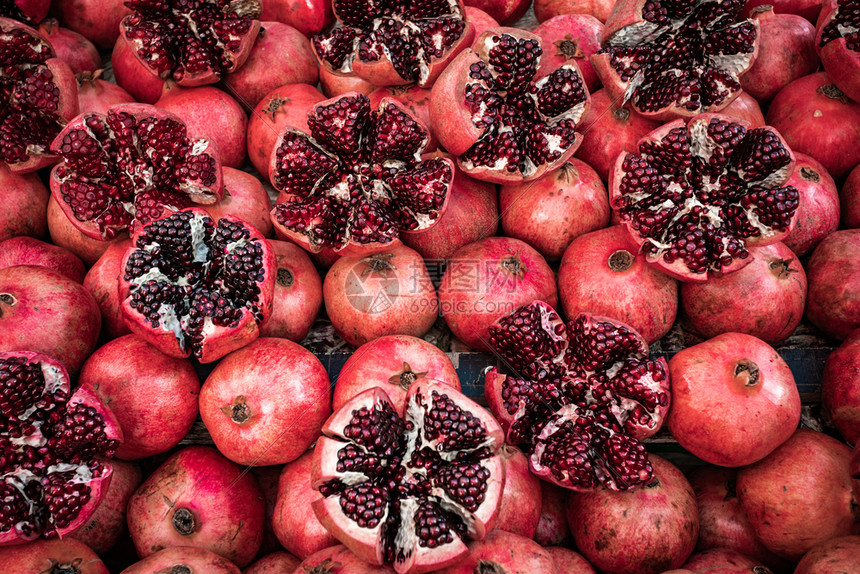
(838, 44)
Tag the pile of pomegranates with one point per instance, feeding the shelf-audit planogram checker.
(456, 286)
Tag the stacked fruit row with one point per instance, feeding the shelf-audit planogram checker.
(562, 195)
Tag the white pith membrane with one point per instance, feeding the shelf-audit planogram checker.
(699, 185)
(553, 143)
(417, 482)
(587, 397)
(340, 186)
(653, 36)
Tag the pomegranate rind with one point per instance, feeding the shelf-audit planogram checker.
(840, 61)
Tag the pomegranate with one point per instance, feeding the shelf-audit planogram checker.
(67, 328)
(695, 197)
(818, 211)
(786, 53)
(836, 39)
(97, 95)
(335, 83)
(546, 9)
(839, 554)
(183, 560)
(508, 124)
(421, 484)
(503, 11)
(281, 55)
(520, 509)
(265, 403)
(212, 114)
(154, 396)
(54, 465)
(774, 279)
(552, 529)
(101, 281)
(415, 99)
(603, 274)
(284, 106)
(97, 20)
(361, 195)
(103, 529)
(472, 213)
(808, 9)
(294, 521)
(505, 553)
(387, 293)
(198, 498)
(800, 494)
(65, 556)
(724, 560)
(298, 294)
(849, 198)
(64, 234)
(394, 44)
(746, 108)
(24, 207)
(571, 38)
(608, 525)
(840, 388)
(817, 119)
(133, 76)
(338, 560)
(29, 251)
(610, 129)
(27, 11)
(568, 561)
(308, 16)
(480, 20)
(274, 563)
(489, 279)
(395, 363)
(584, 395)
(39, 97)
(550, 212)
(833, 302)
(72, 48)
(194, 286)
(244, 198)
(675, 60)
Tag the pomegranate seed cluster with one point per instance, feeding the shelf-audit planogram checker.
(358, 177)
(844, 23)
(583, 396)
(696, 195)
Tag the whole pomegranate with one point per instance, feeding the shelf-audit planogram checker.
(46, 312)
(837, 43)
(153, 395)
(244, 198)
(27, 11)
(833, 302)
(132, 75)
(254, 394)
(800, 494)
(198, 498)
(480, 20)
(101, 281)
(840, 554)
(427, 482)
(25, 250)
(395, 363)
(66, 556)
(308, 17)
(72, 48)
(489, 279)
(840, 388)
(97, 95)
(546, 9)
(97, 20)
(184, 560)
(849, 199)
(339, 559)
(502, 11)
(582, 396)
(23, 210)
(610, 527)
(568, 561)
(786, 52)
(818, 211)
(746, 108)
(387, 293)
(816, 118)
(294, 521)
(520, 510)
(552, 529)
(774, 279)
(64, 234)
(550, 212)
(335, 83)
(298, 295)
(571, 38)
(274, 563)
(602, 273)
(504, 552)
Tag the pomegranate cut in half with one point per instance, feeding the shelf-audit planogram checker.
(507, 118)
(408, 491)
(837, 38)
(394, 43)
(39, 95)
(582, 398)
(194, 42)
(129, 167)
(695, 196)
(190, 285)
(54, 449)
(676, 59)
(358, 180)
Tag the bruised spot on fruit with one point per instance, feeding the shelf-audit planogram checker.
(605, 540)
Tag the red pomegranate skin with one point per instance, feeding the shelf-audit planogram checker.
(552, 529)
(480, 20)
(392, 362)
(49, 556)
(97, 20)
(46, 312)
(72, 48)
(334, 84)
(298, 294)
(774, 279)
(818, 210)
(568, 561)
(800, 495)
(840, 388)
(245, 198)
(602, 273)
(809, 9)
(266, 402)
(66, 235)
(745, 107)
(188, 558)
(849, 198)
(505, 553)
(505, 12)
(339, 560)
(834, 556)
(26, 250)
(833, 271)
(154, 396)
(571, 38)
(520, 510)
(546, 9)
(550, 212)
(294, 522)
(647, 530)
(97, 95)
(132, 75)
(722, 560)
(24, 207)
(101, 282)
(489, 279)
(274, 563)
